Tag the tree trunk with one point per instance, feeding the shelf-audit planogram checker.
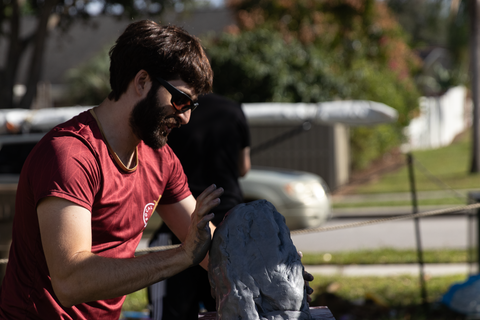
(7, 75)
(16, 49)
(475, 73)
(36, 61)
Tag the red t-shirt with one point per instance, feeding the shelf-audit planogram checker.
(73, 162)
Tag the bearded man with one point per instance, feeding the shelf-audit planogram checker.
(90, 185)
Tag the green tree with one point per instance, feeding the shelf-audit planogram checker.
(258, 65)
(313, 51)
(50, 14)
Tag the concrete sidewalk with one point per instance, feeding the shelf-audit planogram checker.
(385, 270)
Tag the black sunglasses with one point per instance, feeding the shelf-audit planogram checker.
(180, 100)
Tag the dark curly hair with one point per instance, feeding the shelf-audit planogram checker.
(167, 51)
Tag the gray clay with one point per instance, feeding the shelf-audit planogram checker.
(255, 270)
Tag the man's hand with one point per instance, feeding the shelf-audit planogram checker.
(198, 240)
(307, 277)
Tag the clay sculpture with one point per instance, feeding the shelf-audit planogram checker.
(255, 271)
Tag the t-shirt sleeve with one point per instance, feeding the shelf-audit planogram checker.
(65, 167)
(177, 187)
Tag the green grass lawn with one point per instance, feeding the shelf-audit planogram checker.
(136, 301)
(386, 256)
(449, 164)
(391, 291)
(400, 295)
(378, 298)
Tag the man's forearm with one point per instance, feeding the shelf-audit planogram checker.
(93, 277)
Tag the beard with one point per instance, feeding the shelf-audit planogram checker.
(149, 120)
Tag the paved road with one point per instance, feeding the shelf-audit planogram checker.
(435, 232)
(383, 270)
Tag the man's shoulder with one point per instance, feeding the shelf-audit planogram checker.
(76, 136)
(220, 106)
(81, 124)
(82, 127)
(219, 101)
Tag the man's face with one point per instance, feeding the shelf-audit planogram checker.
(152, 120)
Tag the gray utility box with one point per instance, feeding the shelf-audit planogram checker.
(323, 150)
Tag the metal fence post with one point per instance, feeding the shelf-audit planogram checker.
(474, 197)
(423, 289)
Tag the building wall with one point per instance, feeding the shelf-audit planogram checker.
(323, 150)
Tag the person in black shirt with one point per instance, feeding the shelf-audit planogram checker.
(214, 148)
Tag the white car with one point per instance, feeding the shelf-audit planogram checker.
(303, 198)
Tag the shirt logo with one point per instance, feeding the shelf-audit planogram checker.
(147, 212)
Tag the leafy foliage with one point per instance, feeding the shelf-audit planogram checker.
(88, 84)
(258, 65)
(313, 51)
